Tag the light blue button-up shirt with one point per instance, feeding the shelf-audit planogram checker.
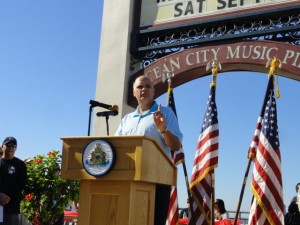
(137, 123)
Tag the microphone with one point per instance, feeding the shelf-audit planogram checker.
(106, 106)
(108, 113)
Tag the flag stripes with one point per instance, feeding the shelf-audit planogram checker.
(206, 159)
(178, 154)
(177, 157)
(173, 208)
(266, 185)
(254, 143)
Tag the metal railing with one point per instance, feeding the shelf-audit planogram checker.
(243, 216)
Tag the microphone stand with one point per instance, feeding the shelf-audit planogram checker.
(106, 115)
(106, 118)
(113, 111)
(90, 113)
(107, 126)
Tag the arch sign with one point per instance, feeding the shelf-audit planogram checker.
(236, 56)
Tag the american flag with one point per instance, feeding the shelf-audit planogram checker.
(177, 157)
(267, 206)
(206, 159)
(170, 99)
(172, 218)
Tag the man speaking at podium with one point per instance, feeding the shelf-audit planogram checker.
(159, 123)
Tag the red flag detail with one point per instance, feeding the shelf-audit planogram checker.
(172, 218)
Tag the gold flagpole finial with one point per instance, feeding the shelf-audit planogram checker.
(215, 67)
(275, 65)
(167, 76)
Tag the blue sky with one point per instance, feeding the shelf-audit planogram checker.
(48, 68)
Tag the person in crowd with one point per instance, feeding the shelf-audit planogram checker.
(158, 122)
(292, 217)
(297, 193)
(186, 211)
(13, 177)
(76, 206)
(220, 210)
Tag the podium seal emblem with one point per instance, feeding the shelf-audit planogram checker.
(98, 157)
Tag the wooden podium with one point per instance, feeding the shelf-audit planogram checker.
(126, 194)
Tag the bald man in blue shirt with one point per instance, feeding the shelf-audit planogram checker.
(159, 123)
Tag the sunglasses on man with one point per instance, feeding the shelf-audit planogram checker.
(10, 146)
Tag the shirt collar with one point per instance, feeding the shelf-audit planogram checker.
(150, 111)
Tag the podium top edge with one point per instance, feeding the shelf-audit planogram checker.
(132, 137)
(107, 137)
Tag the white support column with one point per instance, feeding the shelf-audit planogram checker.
(114, 63)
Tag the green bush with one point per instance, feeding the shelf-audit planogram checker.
(46, 194)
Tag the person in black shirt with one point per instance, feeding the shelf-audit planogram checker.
(13, 177)
(185, 212)
(292, 217)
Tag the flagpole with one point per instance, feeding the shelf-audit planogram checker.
(186, 180)
(213, 197)
(242, 191)
(267, 141)
(206, 158)
(167, 77)
(215, 66)
(190, 197)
